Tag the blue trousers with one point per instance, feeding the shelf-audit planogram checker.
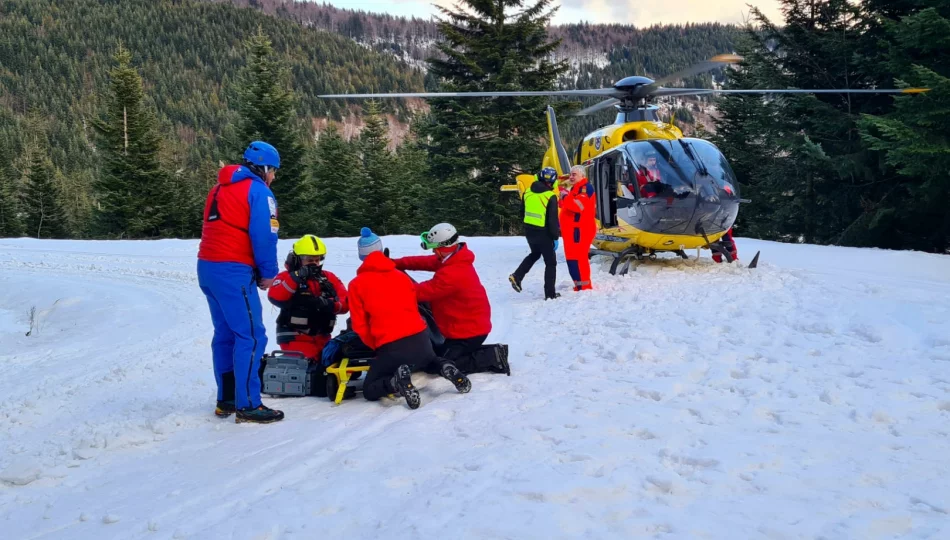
(239, 335)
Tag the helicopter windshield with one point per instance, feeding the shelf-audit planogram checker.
(678, 168)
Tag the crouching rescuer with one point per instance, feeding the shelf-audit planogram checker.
(459, 303)
(309, 299)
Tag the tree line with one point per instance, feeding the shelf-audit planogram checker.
(847, 169)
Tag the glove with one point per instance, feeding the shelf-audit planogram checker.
(557, 242)
(301, 274)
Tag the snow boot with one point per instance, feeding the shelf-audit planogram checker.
(260, 415)
(452, 373)
(515, 283)
(549, 297)
(501, 360)
(224, 409)
(401, 384)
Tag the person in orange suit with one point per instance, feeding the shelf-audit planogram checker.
(578, 225)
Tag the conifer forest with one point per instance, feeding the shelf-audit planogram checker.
(115, 115)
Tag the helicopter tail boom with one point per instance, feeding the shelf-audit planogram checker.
(556, 156)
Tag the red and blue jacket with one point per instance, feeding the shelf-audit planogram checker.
(240, 222)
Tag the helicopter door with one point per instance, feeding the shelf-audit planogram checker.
(606, 171)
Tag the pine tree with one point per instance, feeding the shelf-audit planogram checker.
(134, 200)
(42, 203)
(477, 145)
(266, 107)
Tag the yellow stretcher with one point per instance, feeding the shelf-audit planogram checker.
(340, 373)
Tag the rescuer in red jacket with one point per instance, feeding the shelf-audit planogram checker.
(457, 297)
(384, 313)
(309, 299)
(578, 225)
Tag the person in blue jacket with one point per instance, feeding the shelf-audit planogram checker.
(237, 254)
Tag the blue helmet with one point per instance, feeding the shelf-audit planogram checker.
(548, 174)
(262, 154)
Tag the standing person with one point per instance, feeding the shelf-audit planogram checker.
(385, 314)
(578, 225)
(238, 252)
(541, 230)
(459, 303)
(309, 299)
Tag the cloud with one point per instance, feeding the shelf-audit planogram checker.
(637, 12)
(647, 12)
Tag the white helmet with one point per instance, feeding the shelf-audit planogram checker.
(442, 235)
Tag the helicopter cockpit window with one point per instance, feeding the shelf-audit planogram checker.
(719, 181)
(676, 168)
(657, 170)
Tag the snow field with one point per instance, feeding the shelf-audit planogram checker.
(807, 398)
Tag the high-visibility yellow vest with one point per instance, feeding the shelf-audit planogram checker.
(535, 207)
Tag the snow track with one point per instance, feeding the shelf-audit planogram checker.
(807, 398)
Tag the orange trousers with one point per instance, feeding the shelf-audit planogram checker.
(577, 240)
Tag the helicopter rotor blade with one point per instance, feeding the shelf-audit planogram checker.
(701, 67)
(827, 91)
(605, 92)
(669, 92)
(599, 106)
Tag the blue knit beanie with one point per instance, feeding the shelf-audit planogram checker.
(368, 243)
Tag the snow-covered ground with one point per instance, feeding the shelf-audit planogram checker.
(807, 398)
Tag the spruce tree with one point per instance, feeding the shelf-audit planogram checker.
(42, 203)
(133, 196)
(410, 186)
(379, 202)
(915, 138)
(809, 172)
(477, 145)
(337, 175)
(10, 223)
(266, 108)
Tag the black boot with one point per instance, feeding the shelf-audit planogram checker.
(260, 415)
(452, 373)
(224, 409)
(401, 384)
(552, 297)
(501, 360)
(515, 283)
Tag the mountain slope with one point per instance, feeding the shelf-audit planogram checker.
(56, 55)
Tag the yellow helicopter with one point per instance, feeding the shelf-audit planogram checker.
(657, 190)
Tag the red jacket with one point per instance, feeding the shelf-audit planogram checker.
(383, 305)
(458, 299)
(240, 222)
(578, 212)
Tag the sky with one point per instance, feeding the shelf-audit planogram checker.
(636, 12)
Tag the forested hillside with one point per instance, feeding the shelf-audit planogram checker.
(597, 55)
(55, 59)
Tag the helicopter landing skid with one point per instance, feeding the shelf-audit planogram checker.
(623, 261)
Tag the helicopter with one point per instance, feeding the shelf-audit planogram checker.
(656, 189)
